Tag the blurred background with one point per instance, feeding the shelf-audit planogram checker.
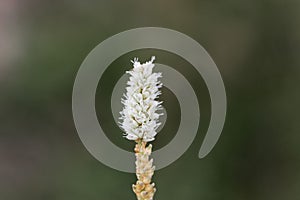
(255, 45)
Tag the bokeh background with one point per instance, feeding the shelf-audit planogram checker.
(256, 46)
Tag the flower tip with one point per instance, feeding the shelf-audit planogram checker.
(135, 62)
(135, 59)
(152, 59)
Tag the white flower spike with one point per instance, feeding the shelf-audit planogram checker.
(140, 121)
(139, 115)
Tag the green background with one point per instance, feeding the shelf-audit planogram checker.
(255, 45)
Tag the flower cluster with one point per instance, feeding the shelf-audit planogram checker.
(143, 188)
(139, 115)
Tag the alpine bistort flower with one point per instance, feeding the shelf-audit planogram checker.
(140, 119)
(140, 122)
